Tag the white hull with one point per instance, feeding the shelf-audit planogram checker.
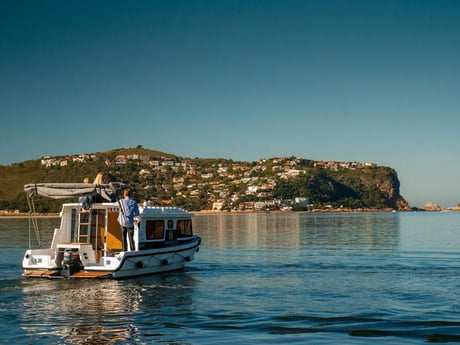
(122, 265)
(132, 264)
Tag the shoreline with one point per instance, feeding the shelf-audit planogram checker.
(27, 215)
(215, 212)
(292, 212)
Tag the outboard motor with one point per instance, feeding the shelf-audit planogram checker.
(72, 262)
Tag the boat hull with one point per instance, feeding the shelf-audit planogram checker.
(125, 264)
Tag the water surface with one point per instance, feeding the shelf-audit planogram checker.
(380, 278)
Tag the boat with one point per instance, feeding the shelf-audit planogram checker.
(88, 242)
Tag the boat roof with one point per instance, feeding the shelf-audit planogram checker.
(73, 190)
(158, 211)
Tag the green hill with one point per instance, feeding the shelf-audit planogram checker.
(203, 184)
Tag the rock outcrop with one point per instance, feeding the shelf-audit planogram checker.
(430, 206)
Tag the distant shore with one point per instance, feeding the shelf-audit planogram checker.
(27, 214)
(219, 212)
(328, 210)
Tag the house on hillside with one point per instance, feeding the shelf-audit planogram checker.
(217, 205)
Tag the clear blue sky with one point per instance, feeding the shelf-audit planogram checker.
(374, 81)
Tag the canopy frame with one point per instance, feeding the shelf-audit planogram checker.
(86, 193)
(108, 192)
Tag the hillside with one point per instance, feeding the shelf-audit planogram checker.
(205, 184)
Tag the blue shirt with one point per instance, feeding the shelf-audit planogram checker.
(128, 210)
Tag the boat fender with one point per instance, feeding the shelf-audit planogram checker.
(139, 264)
(164, 262)
(187, 258)
(197, 249)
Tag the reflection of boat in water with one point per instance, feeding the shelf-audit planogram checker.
(70, 311)
(79, 312)
(88, 243)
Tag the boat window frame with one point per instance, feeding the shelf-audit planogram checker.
(156, 236)
(184, 228)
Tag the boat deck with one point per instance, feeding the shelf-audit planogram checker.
(41, 274)
(91, 274)
(55, 274)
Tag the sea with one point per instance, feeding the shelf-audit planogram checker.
(275, 278)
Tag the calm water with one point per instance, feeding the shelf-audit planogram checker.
(382, 278)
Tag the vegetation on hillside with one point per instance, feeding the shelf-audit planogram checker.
(198, 183)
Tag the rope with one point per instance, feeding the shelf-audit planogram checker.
(34, 221)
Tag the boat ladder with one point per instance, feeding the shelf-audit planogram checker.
(84, 226)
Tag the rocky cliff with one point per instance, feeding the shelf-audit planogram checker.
(373, 187)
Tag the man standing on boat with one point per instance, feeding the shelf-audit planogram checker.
(128, 210)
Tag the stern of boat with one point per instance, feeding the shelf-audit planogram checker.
(39, 262)
(63, 261)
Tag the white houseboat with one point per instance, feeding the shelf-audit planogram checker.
(88, 242)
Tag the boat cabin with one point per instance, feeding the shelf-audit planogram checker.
(98, 226)
(161, 226)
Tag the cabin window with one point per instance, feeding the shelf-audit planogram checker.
(154, 230)
(170, 224)
(184, 228)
